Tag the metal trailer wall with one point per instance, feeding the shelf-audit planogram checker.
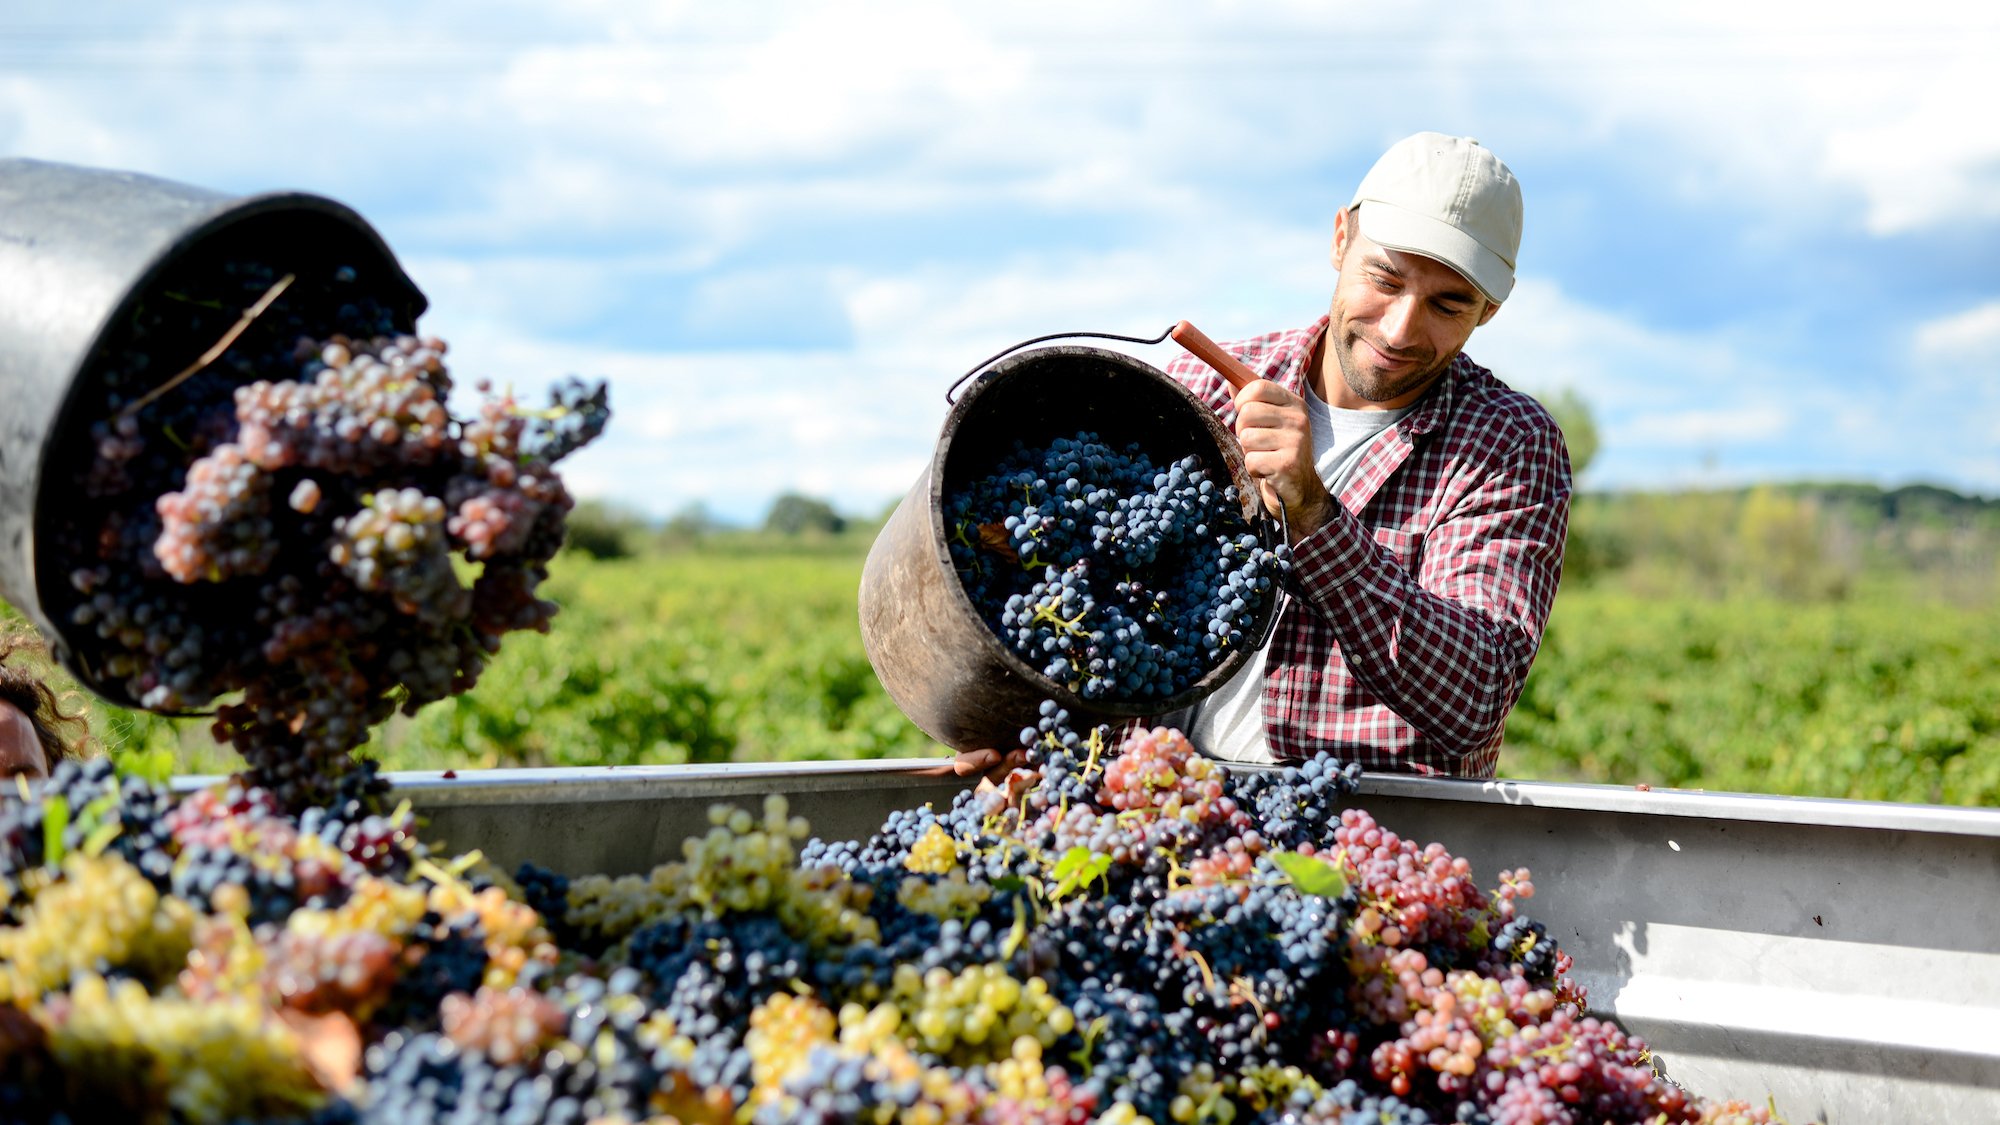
(1840, 957)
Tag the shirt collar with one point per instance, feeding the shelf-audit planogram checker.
(1435, 405)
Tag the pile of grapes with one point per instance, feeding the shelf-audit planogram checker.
(1125, 932)
(1115, 578)
(277, 513)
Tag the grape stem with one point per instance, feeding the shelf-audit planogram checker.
(214, 353)
(1201, 963)
(1048, 615)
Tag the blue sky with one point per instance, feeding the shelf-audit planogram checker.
(1762, 240)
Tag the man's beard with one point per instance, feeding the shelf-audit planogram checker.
(1373, 386)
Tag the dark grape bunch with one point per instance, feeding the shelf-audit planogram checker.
(1125, 932)
(301, 529)
(1112, 576)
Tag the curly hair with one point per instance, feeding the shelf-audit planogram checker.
(33, 697)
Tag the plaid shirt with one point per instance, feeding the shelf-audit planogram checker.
(1420, 607)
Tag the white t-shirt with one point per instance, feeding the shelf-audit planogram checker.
(1229, 724)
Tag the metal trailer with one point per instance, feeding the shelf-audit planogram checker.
(1839, 957)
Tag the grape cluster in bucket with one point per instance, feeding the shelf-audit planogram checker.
(296, 529)
(1114, 575)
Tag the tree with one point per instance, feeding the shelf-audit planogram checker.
(793, 514)
(689, 526)
(602, 530)
(1590, 550)
(1783, 546)
(1579, 428)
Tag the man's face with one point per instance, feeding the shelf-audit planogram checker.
(20, 751)
(1398, 319)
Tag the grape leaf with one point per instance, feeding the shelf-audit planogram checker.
(1311, 874)
(1077, 868)
(55, 820)
(1071, 862)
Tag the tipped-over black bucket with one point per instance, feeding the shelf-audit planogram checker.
(938, 659)
(79, 248)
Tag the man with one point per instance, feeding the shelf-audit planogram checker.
(31, 742)
(1426, 502)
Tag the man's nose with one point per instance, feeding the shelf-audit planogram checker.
(1399, 322)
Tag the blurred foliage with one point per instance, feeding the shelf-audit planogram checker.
(688, 527)
(793, 514)
(1797, 542)
(686, 657)
(604, 531)
(1884, 695)
(1579, 427)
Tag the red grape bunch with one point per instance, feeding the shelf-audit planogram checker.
(302, 529)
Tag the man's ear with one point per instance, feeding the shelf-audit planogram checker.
(1343, 233)
(1491, 308)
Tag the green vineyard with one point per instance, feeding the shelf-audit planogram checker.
(754, 655)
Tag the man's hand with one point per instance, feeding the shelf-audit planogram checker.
(990, 766)
(1271, 424)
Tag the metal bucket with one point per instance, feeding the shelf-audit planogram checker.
(79, 249)
(934, 654)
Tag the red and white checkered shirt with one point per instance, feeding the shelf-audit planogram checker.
(1422, 603)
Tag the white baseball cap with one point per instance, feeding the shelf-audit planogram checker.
(1447, 198)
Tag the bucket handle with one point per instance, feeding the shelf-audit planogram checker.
(988, 361)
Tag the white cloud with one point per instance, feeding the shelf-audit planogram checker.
(39, 121)
(811, 88)
(606, 114)
(1932, 160)
(1703, 428)
(1969, 337)
(1789, 103)
(1547, 338)
(732, 429)
(1687, 407)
